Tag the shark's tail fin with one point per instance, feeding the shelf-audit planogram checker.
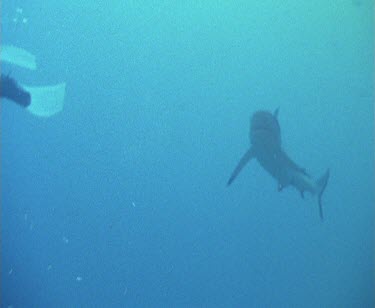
(321, 184)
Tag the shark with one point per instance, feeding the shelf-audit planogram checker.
(266, 148)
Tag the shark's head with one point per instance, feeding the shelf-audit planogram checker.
(265, 129)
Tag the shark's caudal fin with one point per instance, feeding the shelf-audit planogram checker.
(245, 158)
(321, 184)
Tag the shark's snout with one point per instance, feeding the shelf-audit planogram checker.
(264, 127)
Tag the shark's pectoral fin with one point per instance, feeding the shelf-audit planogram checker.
(245, 158)
(302, 194)
(280, 187)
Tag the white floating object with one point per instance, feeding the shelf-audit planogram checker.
(133, 204)
(49, 267)
(17, 56)
(79, 278)
(46, 101)
(65, 240)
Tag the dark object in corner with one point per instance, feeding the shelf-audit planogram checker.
(11, 90)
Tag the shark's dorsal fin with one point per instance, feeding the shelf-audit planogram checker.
(276, 112)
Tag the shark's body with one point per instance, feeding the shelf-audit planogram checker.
(265, 146)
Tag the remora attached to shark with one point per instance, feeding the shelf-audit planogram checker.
(265, 146)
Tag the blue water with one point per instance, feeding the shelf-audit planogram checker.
(120, 200)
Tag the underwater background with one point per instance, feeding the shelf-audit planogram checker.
(120, 200)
